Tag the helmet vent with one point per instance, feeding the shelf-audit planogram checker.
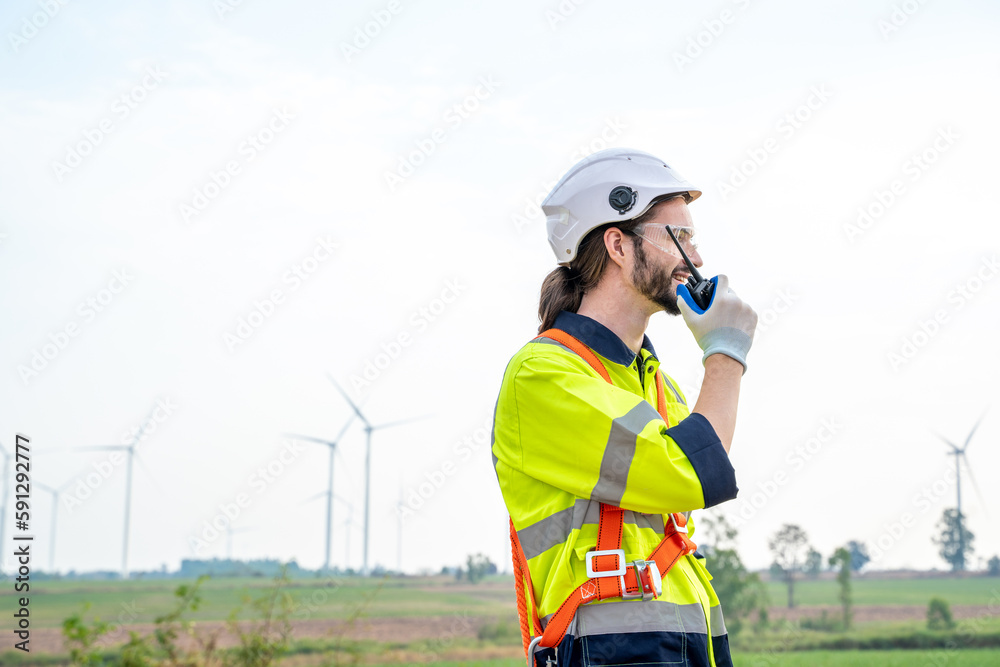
(622, 198)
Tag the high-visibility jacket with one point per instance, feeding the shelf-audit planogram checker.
(564, 441)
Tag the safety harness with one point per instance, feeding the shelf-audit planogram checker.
(609, 576)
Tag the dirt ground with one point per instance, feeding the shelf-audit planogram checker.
(439, 631)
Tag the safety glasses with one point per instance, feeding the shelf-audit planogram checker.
(657, 235)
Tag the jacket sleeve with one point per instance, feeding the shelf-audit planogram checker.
(562, 424)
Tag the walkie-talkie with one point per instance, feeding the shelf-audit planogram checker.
(701, 289)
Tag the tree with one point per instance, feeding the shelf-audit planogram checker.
(843, 560)
(478, 566)
(939, 615)
(993, 566)
(954, 540)
(740, 592)
(814, 563)
(790, 547)
(859, 554)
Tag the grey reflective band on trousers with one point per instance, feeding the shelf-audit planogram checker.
(629, 617)
(555, 529)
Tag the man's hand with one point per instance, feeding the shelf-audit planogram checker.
(725, 327)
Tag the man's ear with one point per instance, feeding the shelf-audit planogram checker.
(616, 244)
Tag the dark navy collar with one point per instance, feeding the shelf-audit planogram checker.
(599, 338)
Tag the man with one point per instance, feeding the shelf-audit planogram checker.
(595, 449)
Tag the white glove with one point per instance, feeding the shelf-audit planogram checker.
(725, 327)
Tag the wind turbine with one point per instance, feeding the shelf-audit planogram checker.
(130, 448)
(959, 454)
(332, 444)
(369, 428)
(229, 539)
(6, 490)
(55, 514)
(348, 527)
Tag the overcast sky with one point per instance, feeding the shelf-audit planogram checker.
(207, 207)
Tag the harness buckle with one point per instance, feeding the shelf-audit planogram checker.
(647, 578)
(678, 528)
(589, 560)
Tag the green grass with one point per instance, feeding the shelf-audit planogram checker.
(971, 591)
(964, 658)
(143, 601)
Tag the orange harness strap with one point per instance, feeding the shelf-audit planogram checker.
(674, 544)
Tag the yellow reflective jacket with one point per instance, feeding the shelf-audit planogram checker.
(564, 441)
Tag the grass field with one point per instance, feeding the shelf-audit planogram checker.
(438, 621)
(866, 591)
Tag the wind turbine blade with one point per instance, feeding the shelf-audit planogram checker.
(46, 487)
(946, 441)
(347, 425)
(142, 429)
(968, 468)
(312, 439)
(99, 448)
(400, 422)
(348, 399)
(973, 431)
(149, 473)
(321, 494)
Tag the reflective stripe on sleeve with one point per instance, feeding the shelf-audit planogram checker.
(717, 622)
(670, 384)
(553, 530)
(619, 451)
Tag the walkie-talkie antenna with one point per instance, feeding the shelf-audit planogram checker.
(694, 271)
(701, 290)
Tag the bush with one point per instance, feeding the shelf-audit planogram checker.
(503, 631)
(939, 615)
(825, 623)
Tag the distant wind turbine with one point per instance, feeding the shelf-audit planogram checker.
(55, 515)
(6, 491)
(959, 454)
(130, 448)
(229, 538)
(332, 444)
(369, 428)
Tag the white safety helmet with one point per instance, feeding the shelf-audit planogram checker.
(612, 185)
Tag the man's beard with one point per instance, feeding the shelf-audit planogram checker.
(652, 283)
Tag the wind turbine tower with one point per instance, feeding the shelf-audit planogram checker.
(959, 454)
(332, 444)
